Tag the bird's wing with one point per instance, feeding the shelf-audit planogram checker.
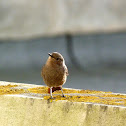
(66, 70)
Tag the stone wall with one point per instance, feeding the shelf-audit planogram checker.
(29, 105)
(26, 19)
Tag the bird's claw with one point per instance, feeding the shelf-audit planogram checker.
(63, 96)
(51, 98)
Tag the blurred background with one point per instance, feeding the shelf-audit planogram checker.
(90, 34)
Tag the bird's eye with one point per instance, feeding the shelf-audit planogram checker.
(57, 58)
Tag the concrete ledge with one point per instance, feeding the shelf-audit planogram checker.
(26, 104)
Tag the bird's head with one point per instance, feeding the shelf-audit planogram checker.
(56, 58)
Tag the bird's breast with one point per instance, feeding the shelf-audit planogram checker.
(54, 76)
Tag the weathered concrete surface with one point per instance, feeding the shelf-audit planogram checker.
(24, 19)
(30, 109)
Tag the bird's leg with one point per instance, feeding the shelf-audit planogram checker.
(51, 92)
(62, 93)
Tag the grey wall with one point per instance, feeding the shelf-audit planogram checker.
(90, 51)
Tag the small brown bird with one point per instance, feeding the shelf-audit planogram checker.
(54, 72)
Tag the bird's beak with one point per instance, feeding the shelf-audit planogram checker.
(50, 54)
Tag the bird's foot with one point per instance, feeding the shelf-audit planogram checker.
(63, 96)
(51, 98)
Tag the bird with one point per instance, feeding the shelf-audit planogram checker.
(54, 72)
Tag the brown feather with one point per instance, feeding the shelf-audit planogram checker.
(54, 72)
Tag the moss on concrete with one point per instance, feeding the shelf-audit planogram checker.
(10, 89)
(72, 95)
(92, 96)
(43, 90)
(91, 99)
